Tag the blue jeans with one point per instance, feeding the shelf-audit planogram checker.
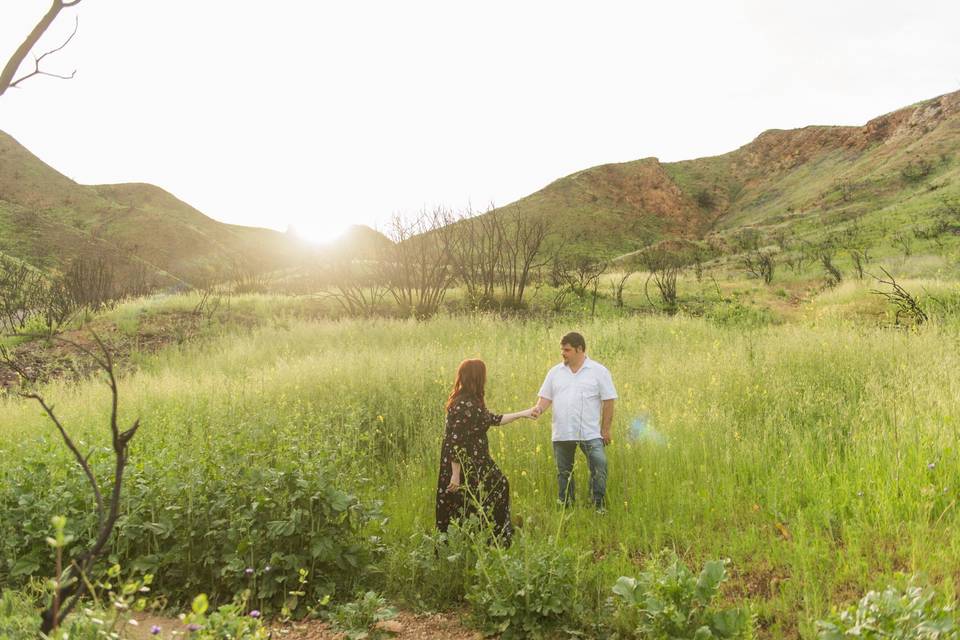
(564, 451)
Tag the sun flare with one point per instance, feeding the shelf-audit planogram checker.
(321, 232)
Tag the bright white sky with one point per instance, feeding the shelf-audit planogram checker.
(320, 114)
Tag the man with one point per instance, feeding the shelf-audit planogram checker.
(582, 394)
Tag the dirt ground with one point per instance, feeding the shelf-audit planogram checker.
(42, 360)
(406, 626)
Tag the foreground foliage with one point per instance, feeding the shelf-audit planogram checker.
(914, 613)
(818, 457)
(668, 602)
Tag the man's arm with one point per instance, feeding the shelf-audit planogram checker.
(606, 421)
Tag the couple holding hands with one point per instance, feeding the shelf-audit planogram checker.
(582, 395)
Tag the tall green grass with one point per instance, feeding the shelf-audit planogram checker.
(821, 458)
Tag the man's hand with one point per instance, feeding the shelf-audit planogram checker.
(454, 485)
(538, 409)
(606, 421)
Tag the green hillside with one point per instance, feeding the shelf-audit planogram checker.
(895, 171)
(48, 219)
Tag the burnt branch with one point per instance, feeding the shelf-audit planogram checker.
(906, 304)
(70, 588)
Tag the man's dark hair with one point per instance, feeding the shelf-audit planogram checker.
(575, 340)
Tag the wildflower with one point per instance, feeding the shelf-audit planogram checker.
(255, 614)
(248, 571)
(193, 626)
(931, 466)
(380, 418)
(267, 568)
(155, 630)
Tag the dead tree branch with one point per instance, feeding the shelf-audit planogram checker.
(13, 64)
(906, 304)
(72, 587)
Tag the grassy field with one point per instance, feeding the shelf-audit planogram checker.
(819, 456)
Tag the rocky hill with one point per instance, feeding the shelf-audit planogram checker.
(809, 179)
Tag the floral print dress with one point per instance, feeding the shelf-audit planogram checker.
(482, 485)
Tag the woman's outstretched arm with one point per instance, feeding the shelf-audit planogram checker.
(510, 417)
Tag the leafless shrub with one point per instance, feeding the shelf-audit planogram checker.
(826, 254)
(20, 294)
(139, 280)
(858, 249)
(416, 268)
(905, 242)
(477, 254)
(583, 276)
(58, 307)
(625, 269)
(354, 285)
(523, 235)
(89, 283)
(248, 273)
(860, 257)
(760, 264)
(906, 305)
(664, 267)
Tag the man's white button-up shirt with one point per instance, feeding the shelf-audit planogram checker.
(577, 399)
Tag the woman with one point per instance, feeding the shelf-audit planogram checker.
(468, 475)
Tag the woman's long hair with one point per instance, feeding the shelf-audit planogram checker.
(470, 381)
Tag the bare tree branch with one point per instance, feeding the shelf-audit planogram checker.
(69, 590)
(13, 64)
(37, 71)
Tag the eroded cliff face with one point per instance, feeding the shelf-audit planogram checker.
(633, 202)
(779, 150)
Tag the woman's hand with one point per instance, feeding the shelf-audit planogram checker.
(454, 485)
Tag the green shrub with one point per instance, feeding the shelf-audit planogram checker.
(914, 613)
(436, 572)
(18, 616)
(526, 591)
(228, 622)
(230, 522)
(668, 602)
(356, 618)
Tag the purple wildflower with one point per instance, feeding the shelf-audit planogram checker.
(155, 629)
(193, 627)
(255, 614)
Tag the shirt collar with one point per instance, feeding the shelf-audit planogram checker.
(586, 363)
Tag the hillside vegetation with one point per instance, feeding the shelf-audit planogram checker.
(892, 172)
(48, 220)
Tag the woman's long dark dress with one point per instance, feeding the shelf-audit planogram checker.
(483, 485)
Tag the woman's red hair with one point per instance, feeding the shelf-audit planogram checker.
(471, 380)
